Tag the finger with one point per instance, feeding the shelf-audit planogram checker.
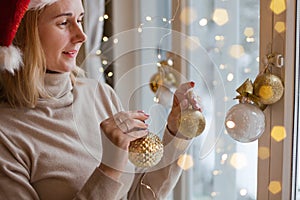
(176, 110)
(122, 116)
(194, 100)
(197, 105)
(184, 104)
(140, 115)
(124, 127)
(138, 134)
(132, 124)
(180, 93)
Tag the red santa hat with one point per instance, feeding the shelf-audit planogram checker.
(11, 15)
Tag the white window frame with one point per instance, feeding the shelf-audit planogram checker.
(279, 165)
(295, 194)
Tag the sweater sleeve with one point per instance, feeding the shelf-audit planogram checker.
(15, 177)
(158, 181)
(14, 174)
(99, 186)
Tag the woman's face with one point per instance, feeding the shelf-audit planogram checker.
(61, 34)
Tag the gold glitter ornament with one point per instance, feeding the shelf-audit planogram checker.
(191, 123)
(147, 151)
(164, 77)
(268, 87)
(155, 82)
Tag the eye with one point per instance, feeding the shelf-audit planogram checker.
(63, 23)
(80, 21)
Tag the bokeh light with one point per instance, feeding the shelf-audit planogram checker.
(263, 153)
(274, 187)
(188, 15)
(278, 6)
(220, 16)
(278, 133)
(280, 27)
(236, 51)
(238, 160)
(248, 32)
(185, 162)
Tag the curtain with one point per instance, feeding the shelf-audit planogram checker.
(89, 60)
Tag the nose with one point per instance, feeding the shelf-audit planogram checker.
(79, 35)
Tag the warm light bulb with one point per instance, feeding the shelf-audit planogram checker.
(245, 122)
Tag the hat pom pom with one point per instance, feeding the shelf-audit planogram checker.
(10, 58)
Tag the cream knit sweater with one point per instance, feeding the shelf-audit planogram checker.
(52, 152)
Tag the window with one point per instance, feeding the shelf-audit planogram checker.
(221, 44)
(218, 44)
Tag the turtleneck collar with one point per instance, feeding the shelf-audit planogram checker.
(59, 86)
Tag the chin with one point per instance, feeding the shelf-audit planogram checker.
(62, 67)
(68, 68)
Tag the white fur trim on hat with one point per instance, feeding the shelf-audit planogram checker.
(39, 4)
(10, 58)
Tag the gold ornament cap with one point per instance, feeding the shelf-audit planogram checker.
(147, 151)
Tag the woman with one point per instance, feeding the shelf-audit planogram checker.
(64, 137)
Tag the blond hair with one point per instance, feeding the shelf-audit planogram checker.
(26, 86)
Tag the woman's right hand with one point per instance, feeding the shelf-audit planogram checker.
(117, 133)
(183, 98)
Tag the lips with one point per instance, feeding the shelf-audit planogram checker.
(71, 53)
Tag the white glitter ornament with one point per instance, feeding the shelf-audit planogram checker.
(245, 122)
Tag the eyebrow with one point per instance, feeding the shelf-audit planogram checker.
(67, 14)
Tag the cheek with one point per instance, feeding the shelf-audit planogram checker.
(51, 42)
(44, 34)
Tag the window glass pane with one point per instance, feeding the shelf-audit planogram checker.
(228, 34)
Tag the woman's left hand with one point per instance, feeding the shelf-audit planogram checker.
(183, 98)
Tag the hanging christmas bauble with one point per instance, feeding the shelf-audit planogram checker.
(268, 87)
(146, 152)
(191, 123)
(170, 80)
(245, 122)
(156, 81)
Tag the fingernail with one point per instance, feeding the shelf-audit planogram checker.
(192, 83)
(197, 106)
(141, 111)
